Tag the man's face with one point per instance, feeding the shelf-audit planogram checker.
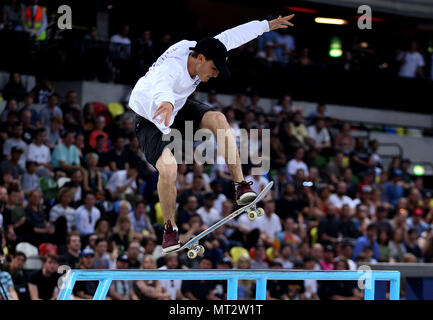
(172, 262)
(14, 197)
(3, 194)
(77, 177)
(75, 243)
(72, 98)
(128, 126)
(341, 189)
(192, 203)
(90, 200)
(69, 139)
(28, 100)
(88, 261)
(101, 248)
(18, 262)
(18, 131)
(205, 264)
(53, 101)
(133, 250)
(121, 264)
(206, 69)
(51, 265)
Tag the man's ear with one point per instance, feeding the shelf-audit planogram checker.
(201, 58)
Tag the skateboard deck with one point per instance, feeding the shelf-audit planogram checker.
(251, 208)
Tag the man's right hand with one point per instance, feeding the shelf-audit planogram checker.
(166, 109)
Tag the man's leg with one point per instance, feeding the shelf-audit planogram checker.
(167, 168)
(214, 121)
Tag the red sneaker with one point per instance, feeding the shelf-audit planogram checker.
(244, 193)
(170, 238)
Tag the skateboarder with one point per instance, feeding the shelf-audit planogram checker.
(160, 100)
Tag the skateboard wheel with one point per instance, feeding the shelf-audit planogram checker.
(260, 212)
(200, 250)
(252, 215)
(192, 254)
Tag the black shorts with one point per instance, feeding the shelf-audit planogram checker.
(150, 137)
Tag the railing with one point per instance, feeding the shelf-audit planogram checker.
(366, 277)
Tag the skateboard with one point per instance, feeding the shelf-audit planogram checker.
(195, 249)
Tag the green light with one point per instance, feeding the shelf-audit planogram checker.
(418, 170)
(335, 50)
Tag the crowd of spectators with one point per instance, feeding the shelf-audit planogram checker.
(75, 190)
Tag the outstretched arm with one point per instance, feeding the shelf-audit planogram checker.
(244, 33)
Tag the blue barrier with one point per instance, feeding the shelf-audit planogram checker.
(105, 277)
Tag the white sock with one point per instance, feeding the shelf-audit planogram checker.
(175, 229)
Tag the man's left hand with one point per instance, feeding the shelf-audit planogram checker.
(280, 22)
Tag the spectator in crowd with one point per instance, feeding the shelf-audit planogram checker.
(8, 293)
(14, 89)
(208, 214)
(360, 157)
(43, 283)
(99, 130)
(344, 141)
(212, 100)
(339, 199)
(86, 215)
(336, 167)
(72, 112)
(122, 289)
(86, 289)
(29, 180)
(19, 278)
(11, 107)
(394, 188)
(102, 258)
(368, 240)
(319, 134)
(13, 14)
(200, 289)
(123, 182)
(329, 226)
(258, 261)
(396, 245)
(38, 152)
(16, 141)
(12, 165)
(72, 255)
(297, 163)
(65, 155)
(173, 287)
(42, 230)
(411, 244)
(416, 221)
(149, 289)
(51, 110)
(411, 62)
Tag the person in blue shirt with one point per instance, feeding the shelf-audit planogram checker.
(394, 188)
(369, 240)
(65, 156)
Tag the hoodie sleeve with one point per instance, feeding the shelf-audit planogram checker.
(242, 34)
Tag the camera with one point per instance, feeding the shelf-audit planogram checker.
(307, 183)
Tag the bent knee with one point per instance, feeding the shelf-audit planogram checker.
(167, 166)
(216, 119)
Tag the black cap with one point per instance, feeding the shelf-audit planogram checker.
(17, 149)
(214, 50)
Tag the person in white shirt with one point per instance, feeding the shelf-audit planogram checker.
(122, 182)
(173, 287)
(160, 100)
(412, 62)
(38, 152)
(297, 164)
(198, 169)
(208, 214)
(319, 134)
(339, 198)
(120, 44)
(87, 215)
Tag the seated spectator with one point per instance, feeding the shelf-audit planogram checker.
(65, 156)
(347, 228)
(99, 130)
(19, 278)
(86, 215)
(335, 168)
(72, 255)
(368, 240)
(135, 257)
(14, 89)
(86, 289)
(42, 230)
(259, 182)
(200, 289)
(329, 226)
(416, 221)
(28, 106)
(29, 180)
(122, 289)
(92, 177)
(411, 244)
(16, 141)
(117, 157)
(38, 152)
(13, 165)
(320, 135)
(140, 221)
(123, 183)
(173, 287)
(198, 169)
(288, 236)
(76, 186)
(102, 258)
(340, 198)
(51, 110)
(394, 189)
(53, 132)
(122, 233)
(339, 290)
(396, 245)
(72, 112)
(197, 190)
(298, 129)
(62, 209)
(360, 157)
(11, 107)
(212, 100)
(103, 228)
(208, 214)
(297, 163)
(285, 256)
(43, 283)
(149, 289)
(344, 141)
(258, 261)
(189, 208)
(277, 289)
(8, 293)
(126, 128)
(384, 249)
(28, 129)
